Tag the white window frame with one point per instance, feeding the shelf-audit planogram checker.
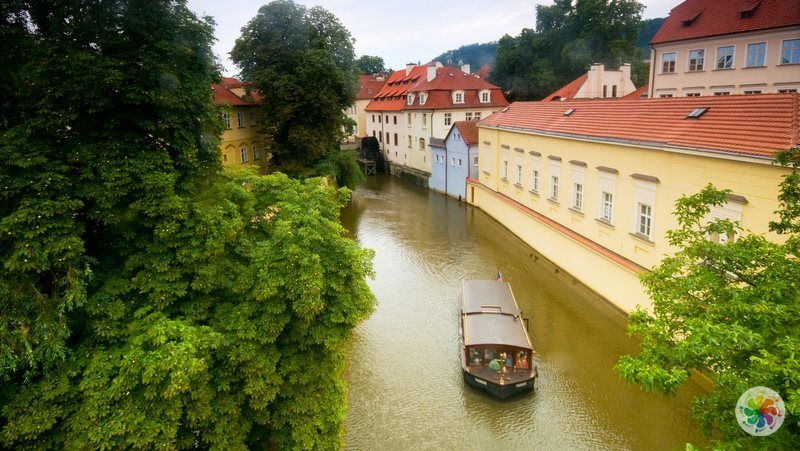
(424, 119)
(733, 58)
(675, 61)
(608, 185)
(256, 152)
(702, 59)
(485, 96)
(468, 115)
(747, 53)
(518, 175)
(578, 187)
(780, 56)
(505, 169)
(460, 162)
(226, 119)
(488, 165)
(458, 96)
(448, 119)
(422, 98)
(477, 116)
(536, 163)
(731, 211)
(555, 180)
(475, 161)
(240, 119)
(410, 99)
(644, 193)
(243, 153)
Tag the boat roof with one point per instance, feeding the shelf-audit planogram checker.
(491, 315)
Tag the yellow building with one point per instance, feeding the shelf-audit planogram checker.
(242, 142)
(368, 87)
(592, 185)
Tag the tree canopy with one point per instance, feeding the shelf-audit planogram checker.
(368, 64)
(476, 55)
(729, 311)
(148, 299)
(569, 37)
(302, 61)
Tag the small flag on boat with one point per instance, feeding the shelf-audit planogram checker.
(499, 276)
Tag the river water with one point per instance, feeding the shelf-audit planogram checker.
(405, 386)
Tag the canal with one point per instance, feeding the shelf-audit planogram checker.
(404, 377)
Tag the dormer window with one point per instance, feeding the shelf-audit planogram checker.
(485, 96)
(410, 99)
(422, 98)
(458, 97)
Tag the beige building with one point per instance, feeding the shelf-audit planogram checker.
(242, 142)
(597, 83)
(592, 185)
(368, 87)
(711, 47)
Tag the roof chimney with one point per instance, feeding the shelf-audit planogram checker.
(465, 68)
(431, 72)
(409, 68)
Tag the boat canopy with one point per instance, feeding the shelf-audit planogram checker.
(491, 316)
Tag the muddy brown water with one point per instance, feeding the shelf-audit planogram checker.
(405, 386)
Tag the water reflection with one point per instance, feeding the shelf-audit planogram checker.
(405, 385)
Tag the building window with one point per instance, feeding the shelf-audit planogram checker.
(409, 141)
(410, 99)
(409, 119)
(475, 162)
(614, 91)
(373, 118)
(645, 219)
(395, 139)
(790, 51)
(722, 93)
(692, 94)
(535, 181)
(380, 118)
(605, 91)
(424, 119)
(422, 144)
(243, 153)
(787, 90)
(253, 119)
(725, 57)
(422, 98)
(239, 119)
(380, 137)
(668, 63)
(577, 196)
(226, 119)
(256, 152)
(447, 118)
(607, 204)
(554, 187)
(394, 119)
(505, 170)
(469, 116)
(477, 115)
(387, 119)
(519, 174)
(452, 161)
(752, 91)
(665, 96)
(696, 59)
(458, 97)
(485, 96)
(459, 162)
(756, 54)
(730, 211)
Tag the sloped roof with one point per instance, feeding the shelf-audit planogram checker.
(639, 94)
(223, 94)
(448, 79)
(739, 124)
(569, 90)
(700, 18)
(369, 86)
(468, 131)
(392, 95)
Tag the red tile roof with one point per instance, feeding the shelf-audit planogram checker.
(448, 79)
(717, 17)
(745, 125)
(224, 96)
(369, 85)
(392, 96)
(468, 131)
(639, 94)
(569, 90)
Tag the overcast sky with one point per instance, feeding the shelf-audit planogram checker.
(400, 31)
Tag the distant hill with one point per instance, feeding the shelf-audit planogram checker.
(476, 55)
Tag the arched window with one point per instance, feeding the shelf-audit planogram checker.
(422, 144)
(243, 151)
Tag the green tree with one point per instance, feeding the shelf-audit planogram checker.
(302, 62)
(148, 299)
(730, 311)
(476, 55)
(368, 64)
(569, 37)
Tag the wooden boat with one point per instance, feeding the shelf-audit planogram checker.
(496, 352)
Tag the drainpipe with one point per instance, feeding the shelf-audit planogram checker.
(446, 193)
(653, 62)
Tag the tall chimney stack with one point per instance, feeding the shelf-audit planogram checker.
(409, 68)
(465, 68)
(431, 72)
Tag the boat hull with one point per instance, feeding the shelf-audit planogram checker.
(501, 391)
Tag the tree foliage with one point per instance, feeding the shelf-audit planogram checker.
(730, 311)
(146, 298)
(476, 55)
(569, 37)
(368, 64)
(302, 62)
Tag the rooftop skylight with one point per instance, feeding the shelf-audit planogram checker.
(697, 112)
(569, 111)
